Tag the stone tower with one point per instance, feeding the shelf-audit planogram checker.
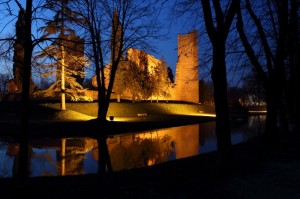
(115, 38)
(186, 77)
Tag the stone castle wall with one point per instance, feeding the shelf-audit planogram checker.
(186, 77)
(186, 87)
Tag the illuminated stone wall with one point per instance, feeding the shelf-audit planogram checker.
(186, 76)
(186, 87)
(133, 56)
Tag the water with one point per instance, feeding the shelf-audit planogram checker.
(126, 151)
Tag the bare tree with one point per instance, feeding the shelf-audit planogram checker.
(28, 45)
(113, 27)
(217, 19)
(269, 62)
(293, 53)
(218, 31)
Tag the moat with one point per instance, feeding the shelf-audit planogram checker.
(79, 156)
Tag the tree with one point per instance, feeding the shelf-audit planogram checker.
(119, 82)
(269, 64)
(18, 57)
(19, 50)
(29, 41)
(218, 31)
(206, 92)
(3, 81)
(28, 45)
(170, 74)
(293, 54)
(217, 19)
(254, 89)
(161, 79)
(138, 78)
(113, 27)
(65, 51)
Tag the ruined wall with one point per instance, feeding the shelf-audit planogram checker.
(186, 87)
(186, 77)
(133, 55)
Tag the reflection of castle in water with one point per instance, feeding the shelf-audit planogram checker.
(153, 146)
(74, 156)
(126, 151)
(67, 160)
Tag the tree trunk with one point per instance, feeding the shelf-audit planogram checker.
(104, 163)
(221, 101)
(24, 131)
(271, 130)
(102, 104)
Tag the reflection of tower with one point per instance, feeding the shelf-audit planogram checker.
(187, 143)
(186, 78)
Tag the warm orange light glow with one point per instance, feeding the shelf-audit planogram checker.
(257, 111)
(207, 114)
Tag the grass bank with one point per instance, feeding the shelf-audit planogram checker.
(51, 111)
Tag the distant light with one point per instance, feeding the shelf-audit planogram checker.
(257, 111)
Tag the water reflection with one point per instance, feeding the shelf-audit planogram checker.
(74, 156)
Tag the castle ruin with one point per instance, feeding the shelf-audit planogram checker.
(186, 86)
(186, 76)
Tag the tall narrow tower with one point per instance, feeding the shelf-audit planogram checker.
(116, 36)
(186, 77)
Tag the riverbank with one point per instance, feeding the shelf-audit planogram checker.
(80, 118)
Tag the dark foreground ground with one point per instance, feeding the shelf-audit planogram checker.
(258, 171)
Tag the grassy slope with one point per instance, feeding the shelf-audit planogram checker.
(132, 109)
(77, 119)
(86, 111)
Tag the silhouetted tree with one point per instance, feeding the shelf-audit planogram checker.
(218, 29)
(269, 64)
(19, 49)
(24, 132)
(206, 92)
(217, 17)
(113, 28)
(170, 74)
(3, 81)
(293, 53)
(254, 89)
